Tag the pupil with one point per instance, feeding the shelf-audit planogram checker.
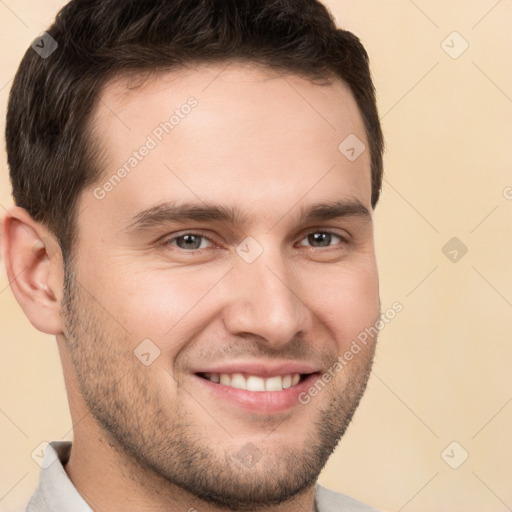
(191, 241)
(323, 238)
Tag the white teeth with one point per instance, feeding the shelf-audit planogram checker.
(253, 382)
(225, 379)
(274, 384)
(238, 381)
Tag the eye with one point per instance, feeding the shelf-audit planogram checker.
(189, 241)
(320, 239)
(196, 241)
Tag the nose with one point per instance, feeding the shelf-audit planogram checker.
(263, 299)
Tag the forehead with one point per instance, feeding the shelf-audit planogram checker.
(222, 79)
(229, 132)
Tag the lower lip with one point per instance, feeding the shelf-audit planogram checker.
(260, 401)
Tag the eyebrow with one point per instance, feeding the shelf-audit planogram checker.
(168, 212)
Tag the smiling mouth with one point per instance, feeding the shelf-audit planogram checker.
(254, 382)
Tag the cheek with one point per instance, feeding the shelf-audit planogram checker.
(348, 302)
(171, 306)
(163, 306)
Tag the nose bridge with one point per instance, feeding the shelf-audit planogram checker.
(264, 301)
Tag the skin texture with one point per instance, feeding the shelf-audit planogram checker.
(154, 437)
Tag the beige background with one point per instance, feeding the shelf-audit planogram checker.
(442, 372)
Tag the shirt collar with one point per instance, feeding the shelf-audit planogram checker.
(55, 489)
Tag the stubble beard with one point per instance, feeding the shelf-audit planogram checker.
(167, 443)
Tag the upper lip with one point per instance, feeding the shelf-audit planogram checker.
(260, 368)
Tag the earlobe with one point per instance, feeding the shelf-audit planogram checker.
(34, 268)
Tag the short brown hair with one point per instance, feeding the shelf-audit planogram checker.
(50, 151)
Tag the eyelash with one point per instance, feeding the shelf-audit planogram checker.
(167, 241)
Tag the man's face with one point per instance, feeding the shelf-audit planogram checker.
(161, 306)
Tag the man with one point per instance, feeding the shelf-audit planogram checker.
(195, 184)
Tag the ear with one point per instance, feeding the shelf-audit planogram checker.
(34, 266)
